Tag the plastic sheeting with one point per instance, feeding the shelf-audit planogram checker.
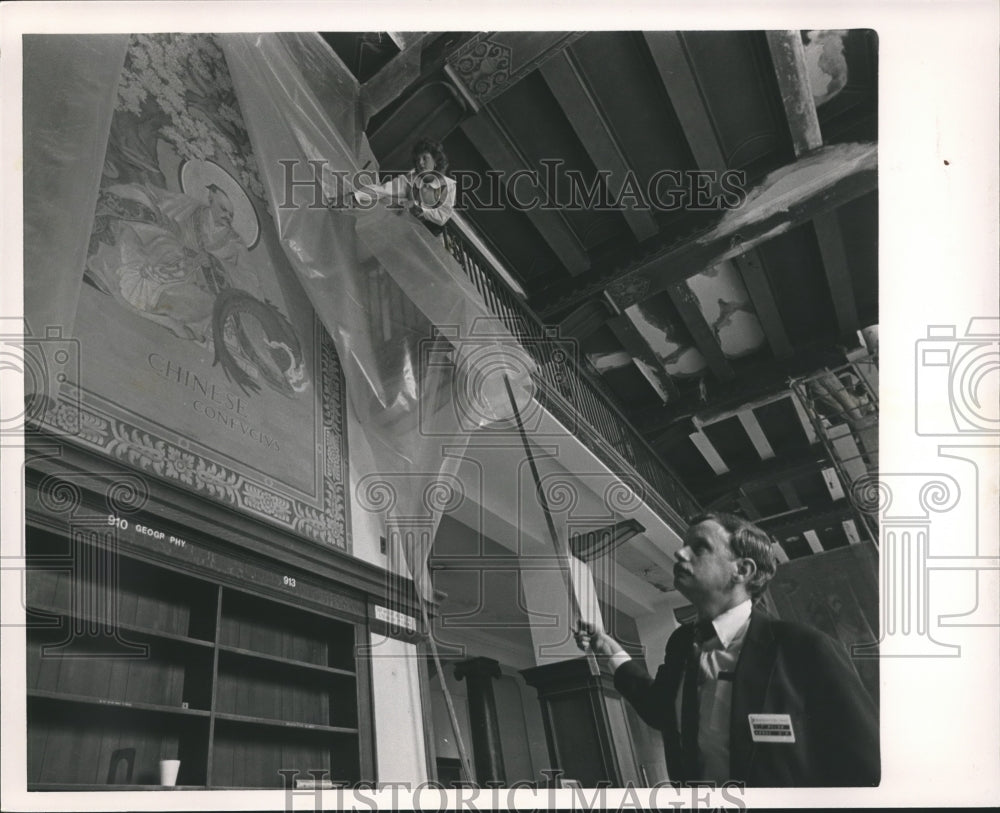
(70, 84)
(379, 281)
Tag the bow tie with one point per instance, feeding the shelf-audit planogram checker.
(703, 632)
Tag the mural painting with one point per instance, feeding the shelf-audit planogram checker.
(221, 377)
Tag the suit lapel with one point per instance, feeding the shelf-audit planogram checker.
(750, 685)
(678, 650)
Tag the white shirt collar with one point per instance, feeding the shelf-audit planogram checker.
(733, 623)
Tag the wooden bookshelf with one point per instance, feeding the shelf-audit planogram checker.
(237, 683)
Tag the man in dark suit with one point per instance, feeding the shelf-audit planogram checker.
(741, 696)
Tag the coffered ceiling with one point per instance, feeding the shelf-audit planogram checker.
(732, 246)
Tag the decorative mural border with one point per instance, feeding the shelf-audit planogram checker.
(149, 452)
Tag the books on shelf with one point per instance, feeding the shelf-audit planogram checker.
(269, 708)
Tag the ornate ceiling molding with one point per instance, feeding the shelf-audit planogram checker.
(493, 61)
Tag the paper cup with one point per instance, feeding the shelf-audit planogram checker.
(168, 771)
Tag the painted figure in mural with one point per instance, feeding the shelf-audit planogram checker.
(180, 258)
(167, 254)
(425, 191)
(177, 261)
(742, 696)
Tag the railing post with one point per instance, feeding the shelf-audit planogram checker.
(576, 394)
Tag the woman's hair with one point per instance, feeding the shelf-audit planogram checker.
(748, 541)
(436, 151)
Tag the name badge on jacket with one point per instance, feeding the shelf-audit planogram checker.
(771, 728)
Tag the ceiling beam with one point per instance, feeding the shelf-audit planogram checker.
(781, 514)
(804, 419)
(703, 444)
(786, 198)
(489, 138)
(756, 434)
(669, 435)
(790, 493)
(751, 513)
(812, 540)
(588, 318)
(709, 416)
(832, 481)
(757, 382)
(807, 521)
(574, 97)
(670, 58)
(643, 357)
(751, 268)
(405, 39)
(851, 531)
(674, 68)
(761, 475)
(788, 56)
(747, 504)
(704, 337)
(837, 271)
(394, 77)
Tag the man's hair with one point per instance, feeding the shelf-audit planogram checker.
(748, 541)
(436, 151)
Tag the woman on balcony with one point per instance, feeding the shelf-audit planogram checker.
(425, 190)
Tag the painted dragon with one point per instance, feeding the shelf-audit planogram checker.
(276, 354)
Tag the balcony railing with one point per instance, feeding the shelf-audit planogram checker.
(571, 392)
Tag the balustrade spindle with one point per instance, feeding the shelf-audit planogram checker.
(577, 396)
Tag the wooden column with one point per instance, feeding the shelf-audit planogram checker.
(479, 674)
(584, 721)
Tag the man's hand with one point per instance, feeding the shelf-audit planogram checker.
(587, 635)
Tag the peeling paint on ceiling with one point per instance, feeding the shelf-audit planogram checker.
(725, 304)
(679, 358)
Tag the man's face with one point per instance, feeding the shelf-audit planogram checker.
(221, 206)
(705, 566)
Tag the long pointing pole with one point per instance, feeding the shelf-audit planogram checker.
(561, 546)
